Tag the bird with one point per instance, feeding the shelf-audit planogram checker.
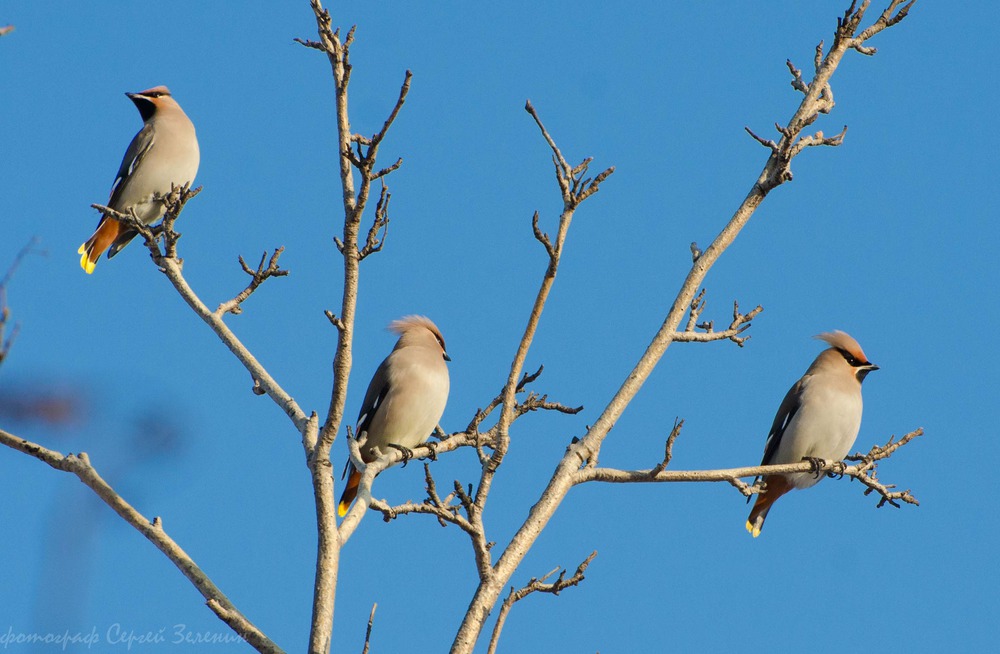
(405, 398)
(818, 419)
(163, 153)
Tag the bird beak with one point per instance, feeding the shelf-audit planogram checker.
(864, 370)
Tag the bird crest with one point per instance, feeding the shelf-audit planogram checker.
(843, 341)
(407, 323)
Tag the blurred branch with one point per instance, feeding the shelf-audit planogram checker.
(51, 407)
(6, 341)
(80, 466)
(6, 29)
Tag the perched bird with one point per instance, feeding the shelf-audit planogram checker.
(405, 398)
(818, 419)
(164, 152)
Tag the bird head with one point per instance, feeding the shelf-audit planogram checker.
(148, 101)
(845, 353)
(418, 330)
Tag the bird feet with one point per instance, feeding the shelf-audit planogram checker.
(432, 446)
(837, 472)
(407, 452)
(815, 465)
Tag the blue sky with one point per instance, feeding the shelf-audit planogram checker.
(891, 237)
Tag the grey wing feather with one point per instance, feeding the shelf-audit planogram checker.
(789, 406)
(378, 388)
(786, 411)
(137, 150)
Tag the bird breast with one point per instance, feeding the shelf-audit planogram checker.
(825, 426)
(172, 160)
(415, 402)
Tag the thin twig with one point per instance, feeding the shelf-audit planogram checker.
(668, 452)
(536, 586)
(257, 277)
(368, 632)
(741, 322)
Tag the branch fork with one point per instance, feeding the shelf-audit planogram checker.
(265, 270)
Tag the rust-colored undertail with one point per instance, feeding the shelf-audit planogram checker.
(107, 231)
(774, 487)
(350, 492)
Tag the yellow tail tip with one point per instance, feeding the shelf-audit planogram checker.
(754, 530)
(85, 262)
(342, 508)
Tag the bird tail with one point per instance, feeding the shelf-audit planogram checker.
(91, 251)
(774, 487)
(350, 491)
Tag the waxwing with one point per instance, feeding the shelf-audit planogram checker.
(405, 398)
(164, 152)
(818, 419)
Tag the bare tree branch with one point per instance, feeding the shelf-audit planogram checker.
(6, 29)
(668, 451)
(174, 203)
(575, 189)
(374, 243)
(465, 506)
(817, 99)
(80, 466)
(360, 153)
(368, 632)
(171, 267)
(257, 277)
(447, 512)
(865, 472)
(741, 322)
(536, 586)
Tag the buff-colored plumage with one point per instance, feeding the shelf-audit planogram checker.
(405, 399)
(164, 152)
(819, 418)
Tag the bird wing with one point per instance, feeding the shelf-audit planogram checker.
(378, 388)
(789, 406)
(137, 150)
